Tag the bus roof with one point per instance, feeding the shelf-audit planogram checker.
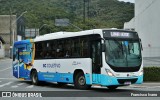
(23, 42)
(59, 35)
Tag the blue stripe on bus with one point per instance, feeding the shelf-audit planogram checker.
(100, 79)
(55, 77)
(60, 77)
(140, 80)
(88, 79)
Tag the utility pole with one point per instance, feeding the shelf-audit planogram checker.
(84, 11)
(88, 8)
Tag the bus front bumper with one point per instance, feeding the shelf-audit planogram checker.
(110, 81)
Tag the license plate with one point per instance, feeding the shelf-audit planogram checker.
(127, 83)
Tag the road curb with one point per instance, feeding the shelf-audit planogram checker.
(4, 59)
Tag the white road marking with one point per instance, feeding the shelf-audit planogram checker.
(8, 79)
(5, 69)
(15, 86)
(147, 87)
(0, 81)
(6, 84)
(133, 86)
(20, 84)
(31, 86)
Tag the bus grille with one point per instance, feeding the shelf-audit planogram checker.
(122, 81)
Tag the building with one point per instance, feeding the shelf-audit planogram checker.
(21, 28)
(31, 33)
(147, 23)
(2, 48)
(10, 27)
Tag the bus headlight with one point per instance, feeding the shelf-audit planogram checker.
(141, 73)
(109, 72)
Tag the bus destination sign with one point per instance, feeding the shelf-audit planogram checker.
(119, 34)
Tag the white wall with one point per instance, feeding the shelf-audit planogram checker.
(147, 24)
(130, 24)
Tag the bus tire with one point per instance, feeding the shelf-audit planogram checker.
(34, 78)
(80, 81)
(112, 87)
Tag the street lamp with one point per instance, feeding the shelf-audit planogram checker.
(19, 17)
(42, 26)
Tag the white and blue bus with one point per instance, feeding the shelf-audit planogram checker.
(105, 57)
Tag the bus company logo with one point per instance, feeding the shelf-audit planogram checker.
(54, 65)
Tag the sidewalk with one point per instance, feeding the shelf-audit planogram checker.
(150, 84)
(146, 85)
(5, 58)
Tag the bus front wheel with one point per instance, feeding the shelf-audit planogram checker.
(80, 81)
(34, 78)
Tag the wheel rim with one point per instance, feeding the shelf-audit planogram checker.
(81, 80)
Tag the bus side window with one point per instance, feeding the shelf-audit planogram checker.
(53, 48)
(66, 48)
(84, 48)
(76, 47)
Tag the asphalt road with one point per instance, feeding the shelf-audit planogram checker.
(9, 83)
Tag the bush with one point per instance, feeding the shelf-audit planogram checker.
(152, 74)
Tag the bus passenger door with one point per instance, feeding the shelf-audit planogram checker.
(96, 56)
(15, 62)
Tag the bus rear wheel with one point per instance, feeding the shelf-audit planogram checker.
(80, 81)
(34, 78)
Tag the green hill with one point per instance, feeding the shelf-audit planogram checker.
(99, 14)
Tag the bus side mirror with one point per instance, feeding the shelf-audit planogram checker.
(103, 47)
(141, 44)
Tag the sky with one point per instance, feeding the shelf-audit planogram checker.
(128, 1)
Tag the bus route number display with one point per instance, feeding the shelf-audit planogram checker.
(119, 34)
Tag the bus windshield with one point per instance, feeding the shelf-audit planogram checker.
(123, 53)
